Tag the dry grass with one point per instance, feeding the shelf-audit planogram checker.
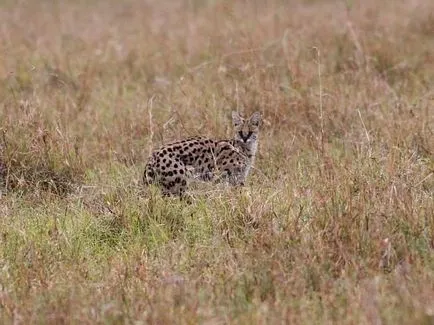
(336, 224)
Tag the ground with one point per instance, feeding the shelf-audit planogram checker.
(336, 221)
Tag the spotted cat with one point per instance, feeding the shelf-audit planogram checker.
(175, 164)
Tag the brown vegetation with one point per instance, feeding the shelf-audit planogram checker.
(336, 223)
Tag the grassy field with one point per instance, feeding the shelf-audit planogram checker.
(336, 222)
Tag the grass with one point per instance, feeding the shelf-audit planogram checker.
(336, 223)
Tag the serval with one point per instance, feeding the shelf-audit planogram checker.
(175, 164)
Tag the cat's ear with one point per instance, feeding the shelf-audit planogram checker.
(256, 118)
(236, 119)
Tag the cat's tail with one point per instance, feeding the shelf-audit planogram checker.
(150, 174)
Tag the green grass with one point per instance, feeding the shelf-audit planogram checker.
(336, 223)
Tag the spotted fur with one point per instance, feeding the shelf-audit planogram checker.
(175, 164)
